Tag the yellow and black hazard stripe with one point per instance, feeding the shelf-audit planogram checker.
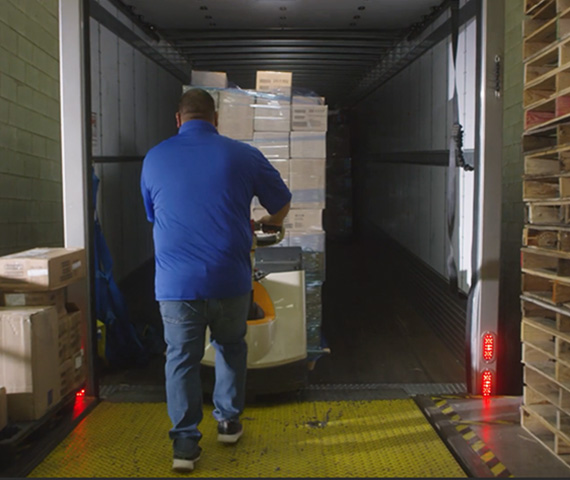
(472, 439)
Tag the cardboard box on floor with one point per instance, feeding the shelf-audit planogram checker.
(41, 269)
(29, 360)
(55, 298)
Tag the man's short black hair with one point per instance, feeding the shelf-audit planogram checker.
(197, 104)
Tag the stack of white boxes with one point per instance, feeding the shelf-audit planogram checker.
(290, 131)
(41, 354)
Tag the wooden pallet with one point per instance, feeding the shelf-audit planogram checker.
(552, 162)
(537, 421)
(545, 256)
(549, 141)
(539, 34)
(553, 265)
(541, 288)
(546, 187)
(555, 239)
(536, 8)
(548, 213)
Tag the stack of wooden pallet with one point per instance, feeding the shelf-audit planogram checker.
(545, 256)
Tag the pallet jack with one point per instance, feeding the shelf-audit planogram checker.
(276, 327)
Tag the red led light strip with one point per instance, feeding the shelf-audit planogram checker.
(486, 383)
(488, 346)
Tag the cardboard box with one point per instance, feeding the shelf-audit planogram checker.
(308, 144)
(63, 346)
(3, 408)
(70, 330)
(304, 221)
(201, 78)
(75, 336)
(278, 83)
(282, 166)
(54, 298)
(272, 116)
(273, 145)
(307, 183)
(42, 269)
(235, 118)
(311, 118)
(307, 100)
(66, 376)
(79, 369)
(29, 360)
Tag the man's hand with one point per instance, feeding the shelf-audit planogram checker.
(277, 218)
(270, 220)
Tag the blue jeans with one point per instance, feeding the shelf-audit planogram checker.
(185, 325)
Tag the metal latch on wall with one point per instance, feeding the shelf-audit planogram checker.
(497, 76)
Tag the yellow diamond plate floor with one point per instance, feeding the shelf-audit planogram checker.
(381, 438)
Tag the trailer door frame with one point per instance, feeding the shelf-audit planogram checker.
(78, 209)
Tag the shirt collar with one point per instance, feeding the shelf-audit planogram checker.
(195, 125)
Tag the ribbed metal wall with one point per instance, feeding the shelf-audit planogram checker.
(429, 293)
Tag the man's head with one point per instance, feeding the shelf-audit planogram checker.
(196, 104)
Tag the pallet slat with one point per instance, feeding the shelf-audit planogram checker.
(546, 263)
(544, 289)
(547, 142)
(552, 213)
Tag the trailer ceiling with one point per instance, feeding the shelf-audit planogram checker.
(329, 45)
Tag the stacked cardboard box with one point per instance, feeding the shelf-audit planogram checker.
(290, 130)
(306, 119)
(41, 356)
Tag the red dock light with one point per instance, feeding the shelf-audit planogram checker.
(486, 383)
(488, 347)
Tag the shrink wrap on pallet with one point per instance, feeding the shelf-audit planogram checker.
(307, 183)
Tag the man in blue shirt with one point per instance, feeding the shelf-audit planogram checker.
(197, 189)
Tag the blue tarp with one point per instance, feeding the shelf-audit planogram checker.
(122, 345)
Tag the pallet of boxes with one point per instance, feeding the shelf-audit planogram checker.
(41, 354)
(545, 256)
(290, 130)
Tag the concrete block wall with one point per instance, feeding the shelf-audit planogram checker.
(512, 204)
(30, 153)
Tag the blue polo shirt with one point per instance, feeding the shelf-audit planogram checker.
(197, 188)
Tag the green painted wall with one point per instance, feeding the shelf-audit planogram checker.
(512, 204)
(30, 152)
